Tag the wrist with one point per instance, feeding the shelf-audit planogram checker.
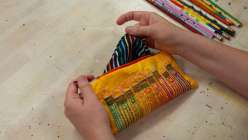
(183, 42)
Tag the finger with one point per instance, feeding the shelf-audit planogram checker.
(137, 24)
(138, 30)
(71, 93)
(151, 42)
(85, 87)
(90, 77)
(133, 15)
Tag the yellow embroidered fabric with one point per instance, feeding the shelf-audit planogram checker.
(136, 89)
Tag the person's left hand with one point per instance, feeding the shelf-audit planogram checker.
(85, 111)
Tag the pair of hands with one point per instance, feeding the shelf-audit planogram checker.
(84, 110)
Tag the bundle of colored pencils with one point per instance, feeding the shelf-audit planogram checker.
(204, 17)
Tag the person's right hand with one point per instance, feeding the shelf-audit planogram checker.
(161, 34)
(85, 111)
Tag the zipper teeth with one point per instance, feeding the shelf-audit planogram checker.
(125, 65)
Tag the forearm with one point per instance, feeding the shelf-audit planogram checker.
(228, 64)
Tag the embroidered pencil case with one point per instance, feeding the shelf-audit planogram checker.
(131, 90)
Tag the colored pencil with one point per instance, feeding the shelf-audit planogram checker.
(191, 13)
(167, 12)
(216, 11)
(205, 8)
(198, 18)
(235, 20)
(186, 19)
(178, 9)
(201, 12)
(168, 6)
(224, 28)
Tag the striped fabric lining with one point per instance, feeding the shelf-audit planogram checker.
(128, 49)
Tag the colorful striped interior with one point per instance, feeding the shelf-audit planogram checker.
(128, 49)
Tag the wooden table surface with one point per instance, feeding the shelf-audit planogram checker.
(46, 43)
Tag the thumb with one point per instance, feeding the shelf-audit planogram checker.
(72, 97)
(138, 30)
(85, 87)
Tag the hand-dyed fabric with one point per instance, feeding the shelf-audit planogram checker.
(128, 49)
(130, 92)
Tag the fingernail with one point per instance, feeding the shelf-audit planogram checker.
(76, 83)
